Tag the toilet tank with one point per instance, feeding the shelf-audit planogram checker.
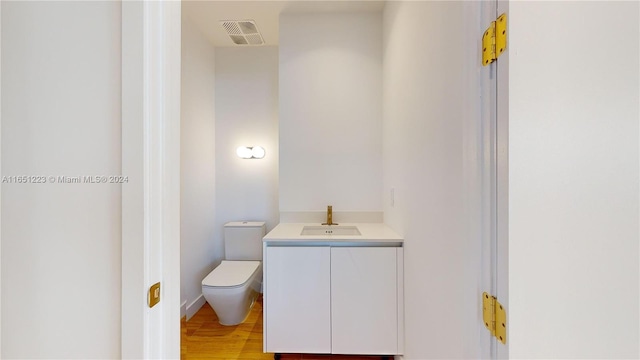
(243, 240)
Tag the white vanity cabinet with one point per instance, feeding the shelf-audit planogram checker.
(364, 300)
(296, 298)
(333, 298)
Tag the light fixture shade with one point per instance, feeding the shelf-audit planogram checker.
(244, 152)
(257, 152)
(250, 152)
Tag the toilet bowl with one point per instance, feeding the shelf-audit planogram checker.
(232, 288)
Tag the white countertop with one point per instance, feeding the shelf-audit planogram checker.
(369, 233)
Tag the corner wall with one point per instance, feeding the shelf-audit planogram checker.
(430, 149)
(197, 158)
(246, 115)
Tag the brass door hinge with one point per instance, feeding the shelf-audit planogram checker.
(494, 40)
(495, 317)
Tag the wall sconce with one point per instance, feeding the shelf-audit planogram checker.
(248, 152)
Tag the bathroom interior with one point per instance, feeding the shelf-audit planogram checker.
(400, 137)
(352, 110)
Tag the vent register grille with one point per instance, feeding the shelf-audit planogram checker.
(243, 32)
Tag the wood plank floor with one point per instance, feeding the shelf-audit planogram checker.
(204, 338)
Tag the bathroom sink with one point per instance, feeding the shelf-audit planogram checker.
(330, 230)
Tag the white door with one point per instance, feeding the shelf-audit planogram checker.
(364, 300)
(298, 306)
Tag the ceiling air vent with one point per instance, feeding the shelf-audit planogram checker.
(242, 32)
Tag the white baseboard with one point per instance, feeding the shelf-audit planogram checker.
(398, 357)
(193, 308)
(183, 309)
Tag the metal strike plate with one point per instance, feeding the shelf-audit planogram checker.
(153, 297)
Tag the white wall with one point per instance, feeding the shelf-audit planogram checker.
(431, 146)
(330, 112)
(573, 168)
(198, 161)
(246, 114)
(61, 256)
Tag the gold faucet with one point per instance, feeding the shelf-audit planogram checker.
(329, 216)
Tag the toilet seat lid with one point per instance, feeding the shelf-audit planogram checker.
(231, 273)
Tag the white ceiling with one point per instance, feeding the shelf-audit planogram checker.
(206, 15)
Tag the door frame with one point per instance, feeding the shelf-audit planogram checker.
(151, 148)
(151, 35)
(494, 110)
(502, 181)
(0, 177)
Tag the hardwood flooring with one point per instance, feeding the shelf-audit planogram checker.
(202, 337)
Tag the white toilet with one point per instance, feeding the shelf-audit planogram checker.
(233, 286)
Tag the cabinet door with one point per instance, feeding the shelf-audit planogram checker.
(297, 300)
(364, 300)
